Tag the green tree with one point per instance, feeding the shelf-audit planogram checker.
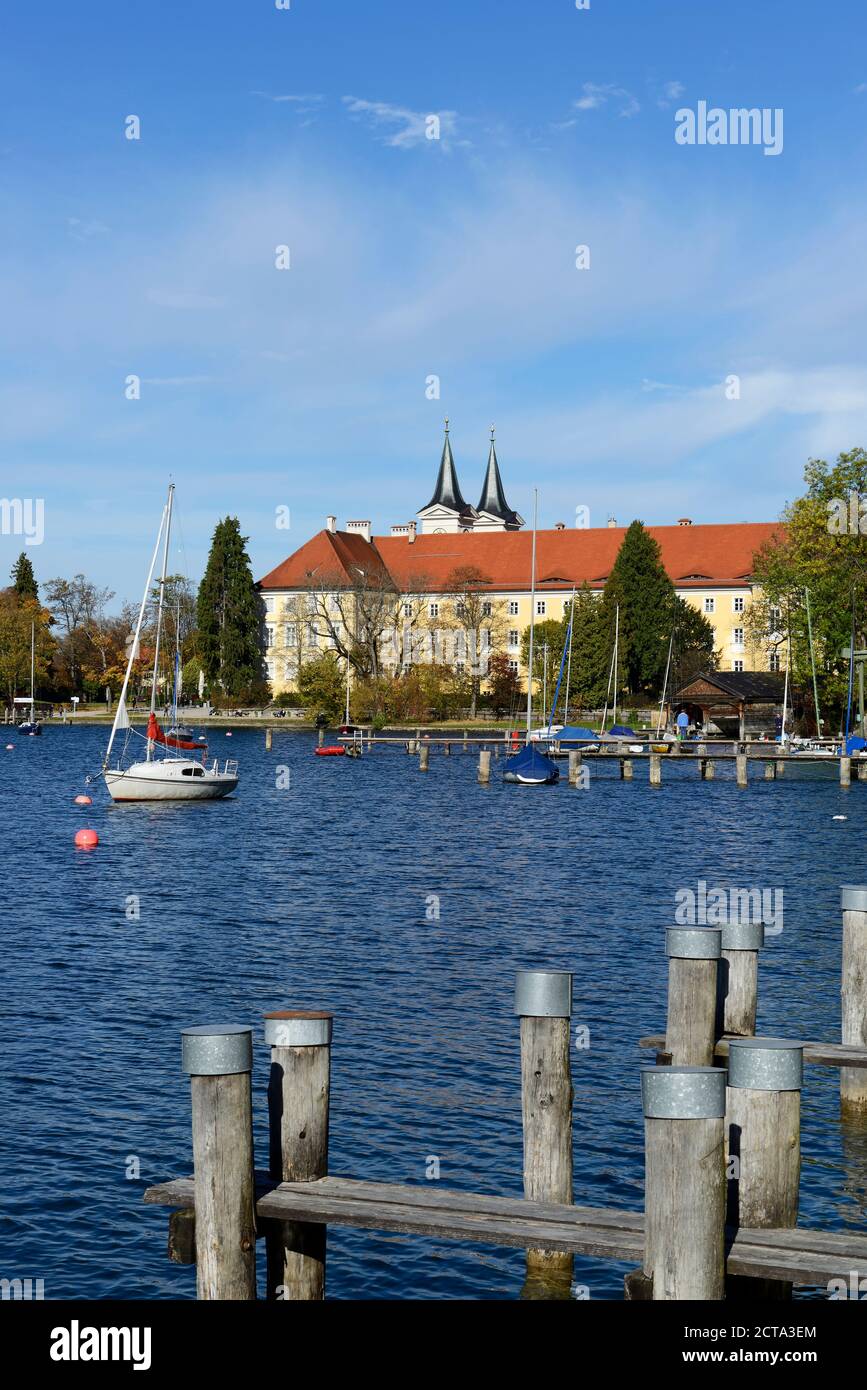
(820, 548)
(23, 578)
(649, 611)
(322, 686)
(591, 651)
(230, 613)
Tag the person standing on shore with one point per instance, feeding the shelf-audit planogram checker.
(682, 724)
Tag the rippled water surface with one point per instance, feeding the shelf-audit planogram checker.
(315, 897)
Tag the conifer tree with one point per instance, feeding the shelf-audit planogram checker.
(649, 610)
(230, 613)
(23, 578)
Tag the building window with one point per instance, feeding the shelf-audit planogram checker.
(311, 603)
(459, 667)
(738, 604)
(487, 610)
(311, 635)
(460, 609)
(709, 605)
(486, 639)
(269, 667)
(433, 610)
(774, 661)
(737, 665)
(513, 608)
(269, 636)
(291, 634)
(738, 637)
(514, 637)
(513, 666)
(775, 619)
(290, 671)
(407, 610)
(540, 607)
(269, 605)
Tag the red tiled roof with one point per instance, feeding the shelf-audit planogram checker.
(694, 556)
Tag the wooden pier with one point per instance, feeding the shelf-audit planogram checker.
(722, 1144)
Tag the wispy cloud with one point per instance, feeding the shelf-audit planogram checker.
(184, 299)
(403, 128)
(671, 91)
(598, 94)
(304, 103)
(85, 229)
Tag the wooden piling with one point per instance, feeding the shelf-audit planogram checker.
(693, 961)
(574, 766)
(485, 765)
(684, 1187)
(268, 737)
(708, 768)
(321, 737)
(543, 1001)
(737, 978)
(770, 770)
(845, 771)
(218, 1061)
(423, 757)
(741, 769)
(780, 766)
(298, 1099)
(447, 748)
(763, 1145)
(853, 1080)
(655, 762)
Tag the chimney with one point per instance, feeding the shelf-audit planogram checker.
(331, 524)
(359, 528)
(684, 521)
(612, 521)
(411, 537)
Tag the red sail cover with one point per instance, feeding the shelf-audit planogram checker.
(156, 734)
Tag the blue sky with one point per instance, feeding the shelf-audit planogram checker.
(410, 257)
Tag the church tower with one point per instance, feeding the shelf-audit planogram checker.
(493, 512)
(447, 511)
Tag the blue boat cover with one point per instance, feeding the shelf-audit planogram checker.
(855, 743)
(623, 730)
(531, 765)
(572, 731)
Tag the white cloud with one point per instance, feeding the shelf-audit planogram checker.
(85, 229)
(596, 95)
(412, 126)
(670, 92)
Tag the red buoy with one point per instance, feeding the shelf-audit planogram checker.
(86, 839)
(84, 800)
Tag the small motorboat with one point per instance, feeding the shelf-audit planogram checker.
(330, 750)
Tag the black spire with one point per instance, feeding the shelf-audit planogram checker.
(447, 492)
(493, 498)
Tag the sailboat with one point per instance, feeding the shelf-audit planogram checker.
(178, 730)
(529, 766)
(171, 777)
(31, 727)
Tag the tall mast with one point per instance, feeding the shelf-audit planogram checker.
(32, 668)
(813, 665)
(532, 611)
(616, 642)
(569, 663)
(160, 608)
(120, 712)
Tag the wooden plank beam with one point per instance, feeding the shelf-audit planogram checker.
(821, 1054)
(802, 1256)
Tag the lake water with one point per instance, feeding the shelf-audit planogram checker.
(315, 896)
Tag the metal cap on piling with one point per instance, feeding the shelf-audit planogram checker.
(298, 1028)
(543, 993)
(766, 1064)
(742, 936)
(853, 898)
(683, 1093)
(693, 943)
(215, 1050)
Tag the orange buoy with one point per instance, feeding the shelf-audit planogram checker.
(86, 839)
(84, 800)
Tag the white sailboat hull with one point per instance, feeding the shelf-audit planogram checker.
(175, 779)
